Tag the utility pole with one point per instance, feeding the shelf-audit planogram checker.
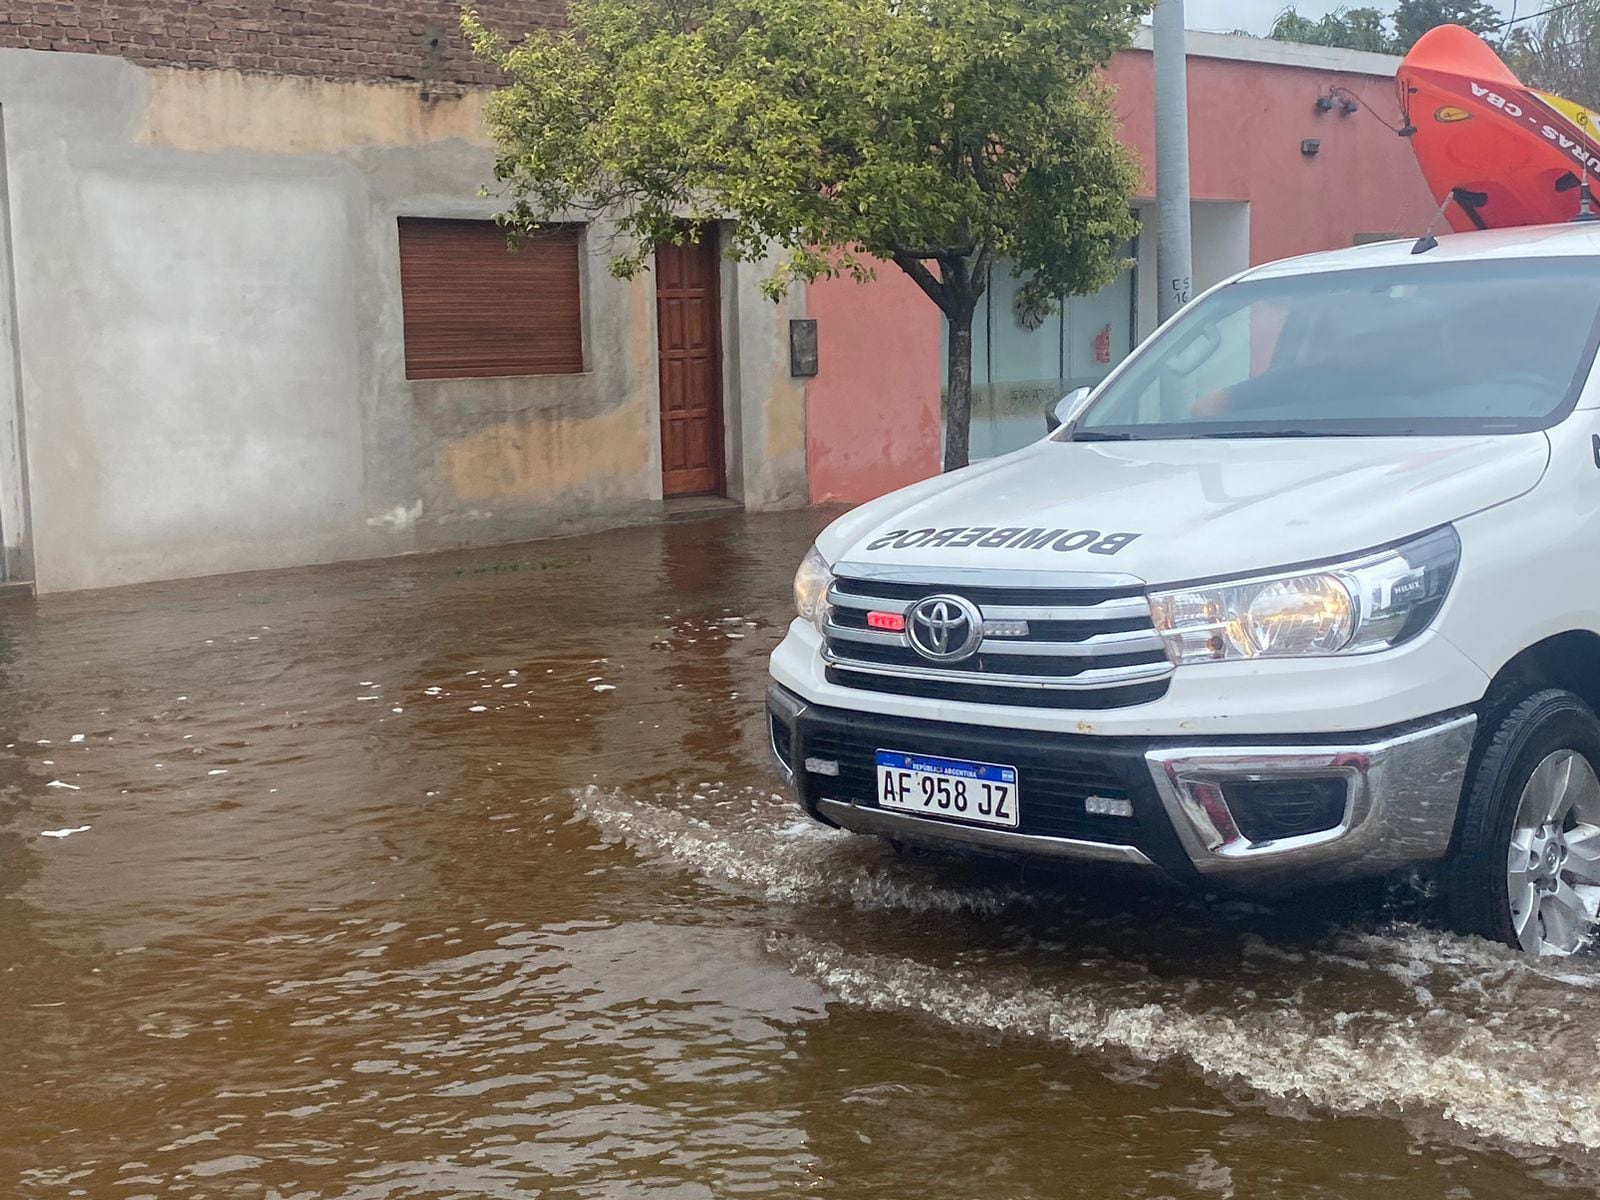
(1174, 250)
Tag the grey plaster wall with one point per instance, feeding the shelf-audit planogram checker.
(208, 338)
(16, 546)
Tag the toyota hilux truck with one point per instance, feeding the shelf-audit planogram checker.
(1307, 589)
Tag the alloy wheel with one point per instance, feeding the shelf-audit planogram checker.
(1553, 862)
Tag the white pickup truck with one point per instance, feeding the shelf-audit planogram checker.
(1308, 588)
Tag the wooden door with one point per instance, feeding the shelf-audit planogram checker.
(688, 331)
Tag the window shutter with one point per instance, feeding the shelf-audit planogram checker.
(475, 308)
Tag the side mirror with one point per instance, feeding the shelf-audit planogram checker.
(1067, 409)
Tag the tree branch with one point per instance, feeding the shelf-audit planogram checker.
(980, 169)
(980, 268)
(953, 270)
(936, 251)
(913, 266)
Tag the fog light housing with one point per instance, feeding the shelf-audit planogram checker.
(1269, 810)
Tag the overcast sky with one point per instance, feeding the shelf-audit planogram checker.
(1256, 16)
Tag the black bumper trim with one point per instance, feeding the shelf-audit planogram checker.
(1063, 769)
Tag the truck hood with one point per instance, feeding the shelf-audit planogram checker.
(1172, 511)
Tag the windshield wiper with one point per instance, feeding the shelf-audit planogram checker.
(1263, 433)
(1100, 435)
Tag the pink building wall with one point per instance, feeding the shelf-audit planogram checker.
(873, 410)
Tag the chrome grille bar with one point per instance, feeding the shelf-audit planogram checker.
(1129, 608)
(870, 637)
(1085, 681)
(1133, 641)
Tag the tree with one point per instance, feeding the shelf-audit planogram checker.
(1413, 18)
(1350, 28)
(939, 135)
(1369, 28)
(1560, 53)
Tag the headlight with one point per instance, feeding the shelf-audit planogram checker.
(811, 584)
(1367, 604)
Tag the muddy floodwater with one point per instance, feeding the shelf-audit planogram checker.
(465, 877)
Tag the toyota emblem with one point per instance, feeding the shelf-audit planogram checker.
(945, 629)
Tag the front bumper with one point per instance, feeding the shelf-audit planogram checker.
(1390, 795)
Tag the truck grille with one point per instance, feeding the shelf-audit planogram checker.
(1042, 647)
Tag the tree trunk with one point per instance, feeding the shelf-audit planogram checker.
(958, 404)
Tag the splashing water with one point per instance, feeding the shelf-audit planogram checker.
(1348, 1062)
(1464, 1059)
(787, 860)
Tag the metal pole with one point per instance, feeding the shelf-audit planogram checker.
(1174, 251)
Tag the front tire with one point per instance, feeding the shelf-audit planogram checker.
(1525, 869)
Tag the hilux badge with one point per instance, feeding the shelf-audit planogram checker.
(945, 629)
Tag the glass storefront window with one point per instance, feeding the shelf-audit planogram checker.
(1021, 361)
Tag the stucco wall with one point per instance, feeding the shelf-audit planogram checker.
(874, 407)
(210, 341)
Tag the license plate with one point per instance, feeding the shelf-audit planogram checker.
(952, 788)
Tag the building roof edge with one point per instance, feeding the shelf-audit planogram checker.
(1241, 48)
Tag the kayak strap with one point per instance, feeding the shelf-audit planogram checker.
(1470, 203)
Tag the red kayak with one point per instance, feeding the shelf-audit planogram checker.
(1509, 155)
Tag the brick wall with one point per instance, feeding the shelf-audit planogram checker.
(336, 39)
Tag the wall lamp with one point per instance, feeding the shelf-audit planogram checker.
(1340, 98)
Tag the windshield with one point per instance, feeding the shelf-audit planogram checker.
(1425, 348)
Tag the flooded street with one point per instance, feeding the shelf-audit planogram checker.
(466, 876)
